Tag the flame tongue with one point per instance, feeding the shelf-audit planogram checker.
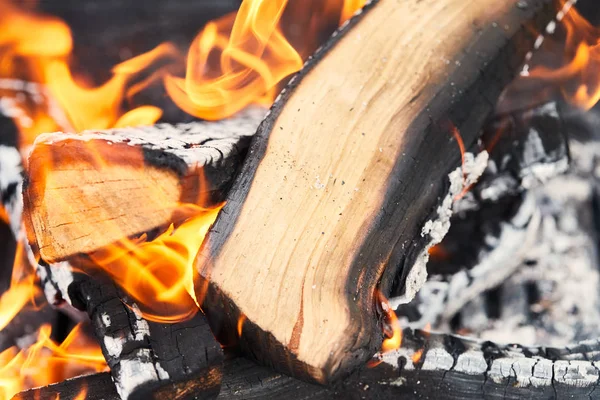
(236, 60)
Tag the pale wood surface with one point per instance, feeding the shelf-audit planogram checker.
(332, 176)
(89, 190)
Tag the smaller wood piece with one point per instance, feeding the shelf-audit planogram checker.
(88, 190)
(149, 359)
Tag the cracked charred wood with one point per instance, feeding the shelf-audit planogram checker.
(339, 193)
(497, 221)
(427, 366)
(149, 359)
(89, 190)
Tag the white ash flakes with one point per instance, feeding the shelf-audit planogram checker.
(461, 178)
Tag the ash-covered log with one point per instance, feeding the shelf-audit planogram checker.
(427, 366)
(497, 222)
(149, 359)
(340, 182)
(88, 190)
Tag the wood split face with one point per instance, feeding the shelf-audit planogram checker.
(345, 170)
(88, 190)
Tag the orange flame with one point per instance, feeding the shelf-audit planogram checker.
(391, 327)
(159, 274)
(82, 394)
(46, 362)
(240, 324)
(577, 78)
(254, 56)
(416, 357)
(43, 45)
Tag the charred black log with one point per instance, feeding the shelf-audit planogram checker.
(149, 359)
(427, 366)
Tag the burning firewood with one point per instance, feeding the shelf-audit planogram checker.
(339, 193)
(149, 359)
(124, 182)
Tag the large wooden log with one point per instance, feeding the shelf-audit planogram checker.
(89, 190)
(346, 171)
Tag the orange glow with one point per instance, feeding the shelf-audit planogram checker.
(82, 394)
(350, 7)
(37, 48)
(254, 57)
(577, 77)
(417, 356)
(427, 328)
(159, 274)
(240, 324)
(438, 252)
(392, 329)
(47, 362)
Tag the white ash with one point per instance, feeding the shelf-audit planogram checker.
(392, 357)
(162, 374)
(141, 328)
(106, 320)
(181, 140)
(437, 359)
(560, 259)
(114, 345)
(134, 373)
(11, 172)
(461, 178)
(471, 362)
(514, 241)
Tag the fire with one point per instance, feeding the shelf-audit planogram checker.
(577, 76)
(159, 274)
(47, 362)
(237, 60)
(391, 326)
(416, 357)
(254, 57)
(44, 45)
(240, 324)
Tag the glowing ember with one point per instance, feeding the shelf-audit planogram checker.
(391, 326)
(417, 356)
(240, 324)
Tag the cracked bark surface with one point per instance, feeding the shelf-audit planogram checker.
(450, 367)
(149, 359)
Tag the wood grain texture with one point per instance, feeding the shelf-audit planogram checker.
(85, 191)
(346, 169)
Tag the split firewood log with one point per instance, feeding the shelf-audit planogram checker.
(341, 189)
(428, 365)
(88, 190)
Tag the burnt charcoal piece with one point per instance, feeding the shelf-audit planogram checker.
(149, 359)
